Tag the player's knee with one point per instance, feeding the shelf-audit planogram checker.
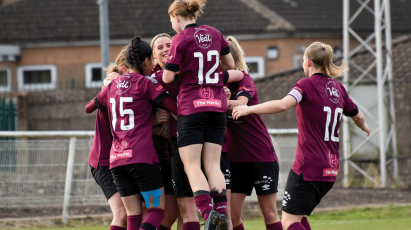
(152, 198)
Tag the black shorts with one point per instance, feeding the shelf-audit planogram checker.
(167, 179)
(135, 178)
(199, 128)
(225, 166)
(301, 197)
(181, 185)
(104, 179)
(263, 176)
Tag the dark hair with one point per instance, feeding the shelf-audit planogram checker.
(136, 53)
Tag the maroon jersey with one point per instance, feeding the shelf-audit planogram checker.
(195, 52)
(247, 138)
(129, 101)
(319, 113)
(100, 150)
(173, 89)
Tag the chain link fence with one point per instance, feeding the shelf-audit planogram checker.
(43, 169)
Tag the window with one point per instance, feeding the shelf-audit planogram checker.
(37, 77)
(255, 66)
(93, 75)
(5, 79)
(298, 60)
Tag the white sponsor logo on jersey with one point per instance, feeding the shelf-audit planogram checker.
(332, 91)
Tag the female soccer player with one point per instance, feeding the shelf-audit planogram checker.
(321, 101)
(181, 187)
(160, 45)
(250, 147)
(198, 50)
(133, 160)
(100, 154)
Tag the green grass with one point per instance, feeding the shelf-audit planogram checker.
(389, 217)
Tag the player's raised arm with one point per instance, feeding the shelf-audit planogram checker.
(270, 107)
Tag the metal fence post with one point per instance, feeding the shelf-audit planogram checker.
(69, 177)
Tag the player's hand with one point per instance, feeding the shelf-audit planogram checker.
(174, 116)
(240, 111)
(161, 116)
(165, 130)
(111, 76)
(366, 129)
(227, 93)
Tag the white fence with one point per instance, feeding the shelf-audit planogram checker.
(34, 172)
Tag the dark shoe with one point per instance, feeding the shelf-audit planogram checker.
(212, 221)
(223, 225)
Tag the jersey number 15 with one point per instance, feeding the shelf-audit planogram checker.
(210, 55)
(123, 112)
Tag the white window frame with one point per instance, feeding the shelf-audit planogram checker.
(39, 86)
(298, 60)
(6, 89)
(260, 63)
(88, 74)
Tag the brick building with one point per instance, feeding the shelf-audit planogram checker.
(50, 50)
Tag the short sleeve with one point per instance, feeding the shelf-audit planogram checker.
(154, 90)
(350, 108)
(299, 86)
(225, 48)
(246, 88)
(102, 97)
(175, 56)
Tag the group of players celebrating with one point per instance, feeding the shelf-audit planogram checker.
(178, 130)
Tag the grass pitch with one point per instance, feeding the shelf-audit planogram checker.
(388, 217)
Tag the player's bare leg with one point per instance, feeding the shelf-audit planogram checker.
(155, 203)
(171, 211)
(237, 201)
(119, 211)
(191, 158)
(211, 162)
(133, 209)
(189, 213)
(292, 220)
(230, 223)
(212, 167)
(269, 211)
(180, 223)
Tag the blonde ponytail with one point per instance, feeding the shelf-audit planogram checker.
(237, 53)
(187, 8)
(322, 56)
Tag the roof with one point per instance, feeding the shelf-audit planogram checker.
(78, 20)
(31, 21)
(401, 48)
(326, 15)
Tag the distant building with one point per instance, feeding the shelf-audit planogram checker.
(50, 50)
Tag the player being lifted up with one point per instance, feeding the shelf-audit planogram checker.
(251, 148)
(196, 52)
(133, 160)
(321, 101)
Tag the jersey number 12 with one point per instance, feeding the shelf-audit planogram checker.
(337, 118)
(210, 55)
(123, 112)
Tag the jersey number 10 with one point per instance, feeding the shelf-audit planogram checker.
(337, 118)
(210, 55)
(123, 112)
